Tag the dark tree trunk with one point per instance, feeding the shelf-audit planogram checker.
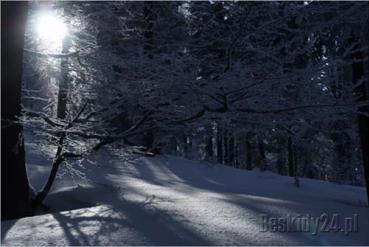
(225, 148)
(148, 47)
(219, 146)
(15, 199)
(248, 155)
(209, 145)
(291, 168)
(304, 166)
(295, 161)
(148, 140)
(261, 154)
(236, 152)
(63, 82)
(46, 188)
(359, 70)
(280, 165)
(187, 146)
(231, 152)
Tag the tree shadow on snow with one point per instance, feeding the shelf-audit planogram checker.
(127, 223)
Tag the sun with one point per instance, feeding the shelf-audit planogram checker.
(51, 29)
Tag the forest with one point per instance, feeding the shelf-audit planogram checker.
(260, 89)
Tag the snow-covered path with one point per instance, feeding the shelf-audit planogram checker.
(172, 201)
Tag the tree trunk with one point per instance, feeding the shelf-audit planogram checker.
(225, 148)
(209, 145)
(359, 70)
(219, 145)
(231, 152)
(63, 82)
(148, 140)
(64, 75)
(148, 45)
(46, 188)
(291, 168)
(15, 196)
(236, 152)
(262, 154)
(248, 155)
(280, 165)
(187, 146)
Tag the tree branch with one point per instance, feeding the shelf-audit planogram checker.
(61, 55)
(44, 117)
(263, 111)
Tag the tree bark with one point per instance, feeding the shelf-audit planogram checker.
(15, 196)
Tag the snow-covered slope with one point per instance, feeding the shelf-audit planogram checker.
(167, 200)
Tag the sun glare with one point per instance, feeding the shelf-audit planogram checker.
(51, 29)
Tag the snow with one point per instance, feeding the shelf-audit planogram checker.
(167, 200)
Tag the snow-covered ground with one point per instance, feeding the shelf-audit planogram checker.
(167, 200)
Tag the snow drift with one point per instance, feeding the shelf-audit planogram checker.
(167, 200)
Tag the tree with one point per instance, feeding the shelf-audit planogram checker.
(253, 69)
(15, 201)
(360, 74)
(64, 77)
